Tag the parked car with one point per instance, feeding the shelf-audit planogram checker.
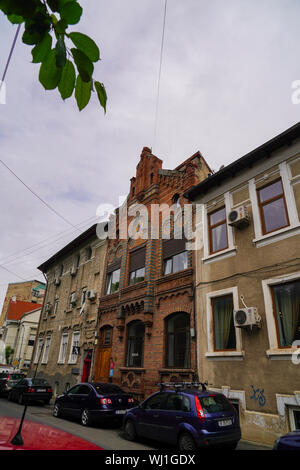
(8, 380)
(38, 436)
(186, 417)
(29, 389)
(91, 402)
(290, 441)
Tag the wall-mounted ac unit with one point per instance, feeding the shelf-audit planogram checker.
(238, 217)
(246, 317)
(91, 295)
(48, 308)
(73, 271)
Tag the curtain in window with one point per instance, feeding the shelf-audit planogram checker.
(223, 318)
(287, 306)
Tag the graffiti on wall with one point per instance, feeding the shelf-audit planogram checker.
(258, 396)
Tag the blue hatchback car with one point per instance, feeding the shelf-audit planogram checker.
(187, 417)
(290, 441)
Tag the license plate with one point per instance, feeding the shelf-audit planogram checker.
(41, 390)
(120, 412)
(225, 422)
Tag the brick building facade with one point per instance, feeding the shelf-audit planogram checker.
(146, 328)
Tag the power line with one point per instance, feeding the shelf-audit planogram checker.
(159, 74)
(56, 237)
(37, 196)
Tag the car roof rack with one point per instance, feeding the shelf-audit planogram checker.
(181, 385)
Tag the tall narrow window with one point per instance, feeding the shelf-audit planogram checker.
(74, 348)
(224, 330)
(286, 299)
(217, 230)
(113, 277)
(38, 351)
(137, 266)
(55, 307)
(272, 206)
(63, 349)
(46, 350)
(135, 344)
(178, 340)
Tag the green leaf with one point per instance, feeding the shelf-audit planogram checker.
(53, 4)
(50, 74)
(61, 53)
(67, 81)
(71, 12)
(15, 19)
(86, 44)
(83, 92)
(102, 96)
(42, 49)
(61, 26)
(84, 66)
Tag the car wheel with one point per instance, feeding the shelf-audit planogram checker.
(56, 411)
(130, 432)
(186, 443)
(86, 419)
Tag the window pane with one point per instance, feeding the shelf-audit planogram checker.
(115, 280)
(135, 346)
(168, 266)
(224, 331)
(270, 191)
(140, 275)
(274, 215)
(180, 262)
(287, 308)
(178, 341)
(217, 217)
(157, 402)
(219, 238)
(297, 419)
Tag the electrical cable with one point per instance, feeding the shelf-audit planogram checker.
(159, 75)
(10, 55)
(37, 196)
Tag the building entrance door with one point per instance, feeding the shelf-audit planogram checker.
(102, 372)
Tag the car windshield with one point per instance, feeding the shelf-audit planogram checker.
(108, 389)
(215, 404)
(16, 376)
(38, 382)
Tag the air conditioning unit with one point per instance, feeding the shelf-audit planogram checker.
(57, 281)
(48, 308)
(239, 217)
(91, 295)
(73, 298)
(73, 271)
(246, 317)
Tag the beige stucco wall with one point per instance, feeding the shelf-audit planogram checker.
(66, 320)
(246, 267)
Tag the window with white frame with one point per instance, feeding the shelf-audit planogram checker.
(46, 350)
(282, 307)
(55, 307)
(222, 337)
(217, 227)
(75, 344)
(294, 418)
(63, 349)
(38, 350)
(274, 209)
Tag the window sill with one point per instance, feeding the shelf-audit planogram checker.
(171, 276)
(170, 370)
(225, 355)
(132, 369)
(277, 236)
(220, 255)
(282, 354)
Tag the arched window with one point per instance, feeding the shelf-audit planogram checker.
(106, 336)
(135, 344)
(178, 340)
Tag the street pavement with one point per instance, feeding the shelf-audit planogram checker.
(107, 437)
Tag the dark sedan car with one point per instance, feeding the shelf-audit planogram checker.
(188, 418)
(8, 380)
(28, 389)
(290, 441)
(91, 402)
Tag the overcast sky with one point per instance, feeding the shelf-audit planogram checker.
(226, 82)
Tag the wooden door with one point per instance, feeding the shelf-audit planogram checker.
(102, 371)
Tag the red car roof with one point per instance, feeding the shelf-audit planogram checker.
(38, 436)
